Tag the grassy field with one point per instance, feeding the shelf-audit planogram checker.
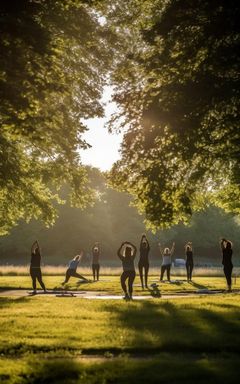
(111, 284)
(59, 270)
(67, 340)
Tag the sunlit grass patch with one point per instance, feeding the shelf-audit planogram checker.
(111, 284)
(59, 270)
(163, 368)
(43, 339)
(51, 324)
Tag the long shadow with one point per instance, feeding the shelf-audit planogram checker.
(199, 286)
(8, 301)
(79, 283)
(52, 371)
(165, 369)
(166, 327)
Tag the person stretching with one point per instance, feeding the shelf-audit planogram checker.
(226, 246)
(127, 257)
(166, 260)
(189, 260)
(35, 266)
(95, 261)
(72, 269)
(143, 263)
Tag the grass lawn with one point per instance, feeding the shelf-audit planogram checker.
(111, 284)
(44, 339)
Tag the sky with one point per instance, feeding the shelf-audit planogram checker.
(105, 146)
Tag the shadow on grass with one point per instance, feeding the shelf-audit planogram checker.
(198, 286)
(8, 301)
(165, 369)
(166, 327)
(83, 282)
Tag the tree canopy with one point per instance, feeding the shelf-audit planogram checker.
(54, 60)
(177, 87)
(111, 221)
(174, 66)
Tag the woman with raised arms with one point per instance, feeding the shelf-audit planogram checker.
(127, 253)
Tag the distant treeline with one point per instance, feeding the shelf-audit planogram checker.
(110, 221)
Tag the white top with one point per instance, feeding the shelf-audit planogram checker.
(73, 264)
(166, 259)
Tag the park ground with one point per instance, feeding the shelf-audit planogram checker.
(68, 340)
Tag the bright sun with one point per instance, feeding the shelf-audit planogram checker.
(105, 146)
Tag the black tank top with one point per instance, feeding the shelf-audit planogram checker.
(95, 257)
(144, 255)
(35, 259)
(227, 257)
(128, 263)
(189, 255)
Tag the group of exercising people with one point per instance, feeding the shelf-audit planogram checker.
(127, 253)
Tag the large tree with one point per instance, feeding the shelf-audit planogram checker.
(177, 87)
(54, 59)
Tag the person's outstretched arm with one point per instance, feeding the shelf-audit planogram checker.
(38, 246)
(134, 249)
(172, 249)
(119, 252)
(222, 244)
(34, 246)
(160, 249)
(148, 246)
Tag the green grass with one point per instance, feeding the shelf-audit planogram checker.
(163, 369)
(43, 339)
(59, 270)
(37, 324)
(111, 284)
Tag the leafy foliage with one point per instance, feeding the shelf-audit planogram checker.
(178, 92)
(111, 221)
(53, 64)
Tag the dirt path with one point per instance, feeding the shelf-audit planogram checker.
(100, 295)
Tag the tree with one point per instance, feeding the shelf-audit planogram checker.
(177, 87)
(111, 221)
(53, 65)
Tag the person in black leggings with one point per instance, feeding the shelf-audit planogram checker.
(95, 261)
(189, 260)
(127, 253)
(72, 269)
(166, 260)
(143, 263)
(35, 266)
(226, 246)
